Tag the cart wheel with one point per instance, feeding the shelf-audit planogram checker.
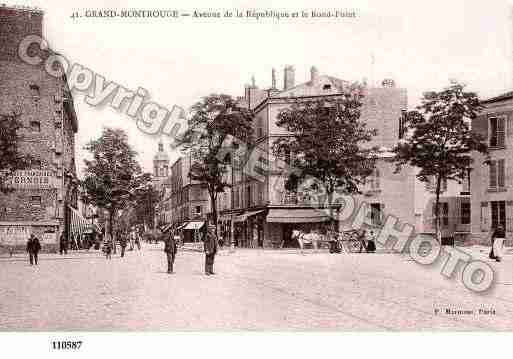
(355, 246)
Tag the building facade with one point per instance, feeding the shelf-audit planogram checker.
(265, 213)
(45, 194)
(189, 201)
(492, 185)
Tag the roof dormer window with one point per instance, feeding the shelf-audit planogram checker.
(326, 87)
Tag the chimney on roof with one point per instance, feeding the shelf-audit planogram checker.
(273, 75)
(288, 77)
(314, 74)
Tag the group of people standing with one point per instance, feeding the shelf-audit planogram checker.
(210, 247)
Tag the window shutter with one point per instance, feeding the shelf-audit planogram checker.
(501, 131)
(485, 217)
(509, 126)
(500, 173)
(493, 174)
(509, 216)
(480, 126)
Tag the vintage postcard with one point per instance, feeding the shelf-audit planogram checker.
(342, 166)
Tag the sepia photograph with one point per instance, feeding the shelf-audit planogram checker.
(292, 168)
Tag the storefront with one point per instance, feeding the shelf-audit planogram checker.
(14, 235)
(280, 223)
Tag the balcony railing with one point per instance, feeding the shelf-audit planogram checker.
(298, 198)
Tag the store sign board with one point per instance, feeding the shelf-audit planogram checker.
(14, 235)
(31, 179)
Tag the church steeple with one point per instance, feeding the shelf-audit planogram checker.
(161, 162)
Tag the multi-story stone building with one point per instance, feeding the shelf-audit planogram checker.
(492, 185)
(189, 200)
(45, 198)
(265, 212)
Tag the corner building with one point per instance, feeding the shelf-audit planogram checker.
(44, 200)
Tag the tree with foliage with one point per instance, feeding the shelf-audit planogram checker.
(146, 198)
(11, 159)
(327, 143)
(214, 119)
(439, 140)
(113, 175)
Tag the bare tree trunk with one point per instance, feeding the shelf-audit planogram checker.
(111, 227)
(213, 204)
(437, 209)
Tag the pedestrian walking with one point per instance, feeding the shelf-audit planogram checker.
(170, 247)
(33, 248)
(210, 247)
(497, 240)
(63, 244)
(138, 241)
(107, 249)
(122, 243)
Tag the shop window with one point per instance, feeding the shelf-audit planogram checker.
(465, 213)
(35, 126)
(443, 213)
(376, 214)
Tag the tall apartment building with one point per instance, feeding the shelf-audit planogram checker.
(189, 200)
(45, 198)
(265, 213)
(492, 185)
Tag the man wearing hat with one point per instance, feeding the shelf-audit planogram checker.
(170, 249)
(33, 248)
(210, 248)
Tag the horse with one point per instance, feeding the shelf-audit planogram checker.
(306, 238)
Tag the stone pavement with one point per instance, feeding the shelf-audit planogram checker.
(252, 290)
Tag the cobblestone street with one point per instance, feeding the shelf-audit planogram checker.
(253, 290)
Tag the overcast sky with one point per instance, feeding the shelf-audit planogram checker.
(420, 44)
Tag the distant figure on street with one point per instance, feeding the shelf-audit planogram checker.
(63, 244)
(137, 240)
(371, 244)
(497, 240)
(107, 248)
(170, 247)
(210, 248)
(122, 243)
(33, 248)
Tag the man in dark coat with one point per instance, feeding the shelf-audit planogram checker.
(498, 236)
(33, 248)
(210, 248)
(122, 243)
(63, 244)
(170, 249)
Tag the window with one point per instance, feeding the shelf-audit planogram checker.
(402, 124)
(36, 164)
(260, 129)
(376, 214)
(374, 180)
(443, 213)
(35, 126)
(35, 200)
(497, 174)
(465, 213)
(198, 210)
(261, 193)
(498, 214)
(497, 131)
(58, 125)
(248, 196)
(326, 87)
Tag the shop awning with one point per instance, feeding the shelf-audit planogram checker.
(78, 223)
(245, 216)
(194, 225)
(297, 215)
